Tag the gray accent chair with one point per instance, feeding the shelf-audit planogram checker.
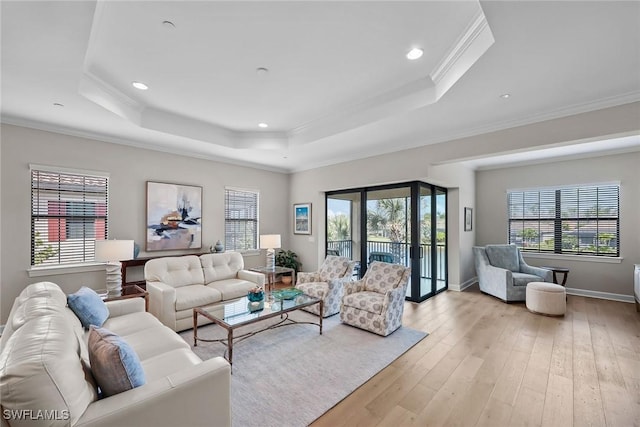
(503, 273)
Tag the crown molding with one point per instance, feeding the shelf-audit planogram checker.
(63, 130)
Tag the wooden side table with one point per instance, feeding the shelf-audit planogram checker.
(271, 274)
(563, 270)
(128, 291)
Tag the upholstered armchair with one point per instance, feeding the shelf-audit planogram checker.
(503, 273)
(326, 284)
(376, 302)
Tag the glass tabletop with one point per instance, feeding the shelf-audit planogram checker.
(242, 311)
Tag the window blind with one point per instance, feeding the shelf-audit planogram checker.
(241, 219)
(580, 220)
(68, 213)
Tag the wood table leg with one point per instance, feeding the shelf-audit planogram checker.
(195, 328)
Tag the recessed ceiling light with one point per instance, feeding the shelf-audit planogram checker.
(263, 125)
(505, 95)
(140, 85)
(414, 53)
(262, 71)
(168, 24)
(57, 104)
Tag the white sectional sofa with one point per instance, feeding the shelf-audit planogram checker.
(46, 378)
(178, 284)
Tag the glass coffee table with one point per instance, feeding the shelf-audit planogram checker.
(242, 312)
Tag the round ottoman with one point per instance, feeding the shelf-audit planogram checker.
(546, 298)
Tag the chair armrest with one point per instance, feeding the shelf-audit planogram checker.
(162, 302)
(353, 287)
(307, 277)
(191, 396)
(252, 276)
(338, 283)
(546, 274)
(392, 297)
(125, 306)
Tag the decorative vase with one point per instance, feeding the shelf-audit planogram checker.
(136, 250)
(285, 280)
(219, 247)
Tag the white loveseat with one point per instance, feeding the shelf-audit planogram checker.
(46, 380)
(178, 284)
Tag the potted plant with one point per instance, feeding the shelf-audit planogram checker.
(287, 259)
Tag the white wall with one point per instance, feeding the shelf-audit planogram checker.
(129, 170)
(587, 275)
(439, 164)
(409, 165)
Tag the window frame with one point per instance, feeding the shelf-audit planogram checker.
(230, 243)
(62, 221)
(559, 207)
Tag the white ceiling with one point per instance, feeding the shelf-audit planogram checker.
(338, 85)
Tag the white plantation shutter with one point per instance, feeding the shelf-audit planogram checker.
(68, 214)
(241, 219)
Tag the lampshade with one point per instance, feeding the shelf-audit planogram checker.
(269, 241)
(114, 250)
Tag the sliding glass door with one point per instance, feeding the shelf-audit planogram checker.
(400, 223)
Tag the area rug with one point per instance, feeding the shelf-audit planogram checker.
(289, 376)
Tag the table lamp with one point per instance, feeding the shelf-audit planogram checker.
(270, 242)
(114, 251)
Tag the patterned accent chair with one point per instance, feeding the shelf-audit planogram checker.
(326, 283)
(376, 302)
(503, 273)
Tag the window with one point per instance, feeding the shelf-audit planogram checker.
(580, 220)
(241, 219)
(68, 214)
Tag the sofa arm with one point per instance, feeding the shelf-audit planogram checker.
(162, 302)
(252, 276)
(125, 306)
(307, 277)
(353, 287)
(197, 395)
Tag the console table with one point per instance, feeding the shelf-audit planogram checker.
(137, 262)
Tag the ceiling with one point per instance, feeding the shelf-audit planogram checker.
(330, 79)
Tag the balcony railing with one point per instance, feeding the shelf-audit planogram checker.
(400, 253)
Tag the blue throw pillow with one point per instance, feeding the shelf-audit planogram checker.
(114, 364)
(88, 306)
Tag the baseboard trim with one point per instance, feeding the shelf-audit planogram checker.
(601, 295)
(459, 288)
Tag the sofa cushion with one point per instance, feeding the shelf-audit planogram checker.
(131, 323)
(521, 279)
(231, 288)
(503, 256)
(88, 306)
(175, 271)
(382, 277)
(153, 341)
(169, 362)
(195, 296)
(221, 266)
(367, 301)
(114, 364)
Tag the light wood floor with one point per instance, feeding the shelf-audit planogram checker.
(487, 363)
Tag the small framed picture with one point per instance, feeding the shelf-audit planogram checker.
(468, 219)
(302, 218)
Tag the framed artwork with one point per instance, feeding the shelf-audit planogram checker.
(468, 219)
(302, 218)
(174, 214)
